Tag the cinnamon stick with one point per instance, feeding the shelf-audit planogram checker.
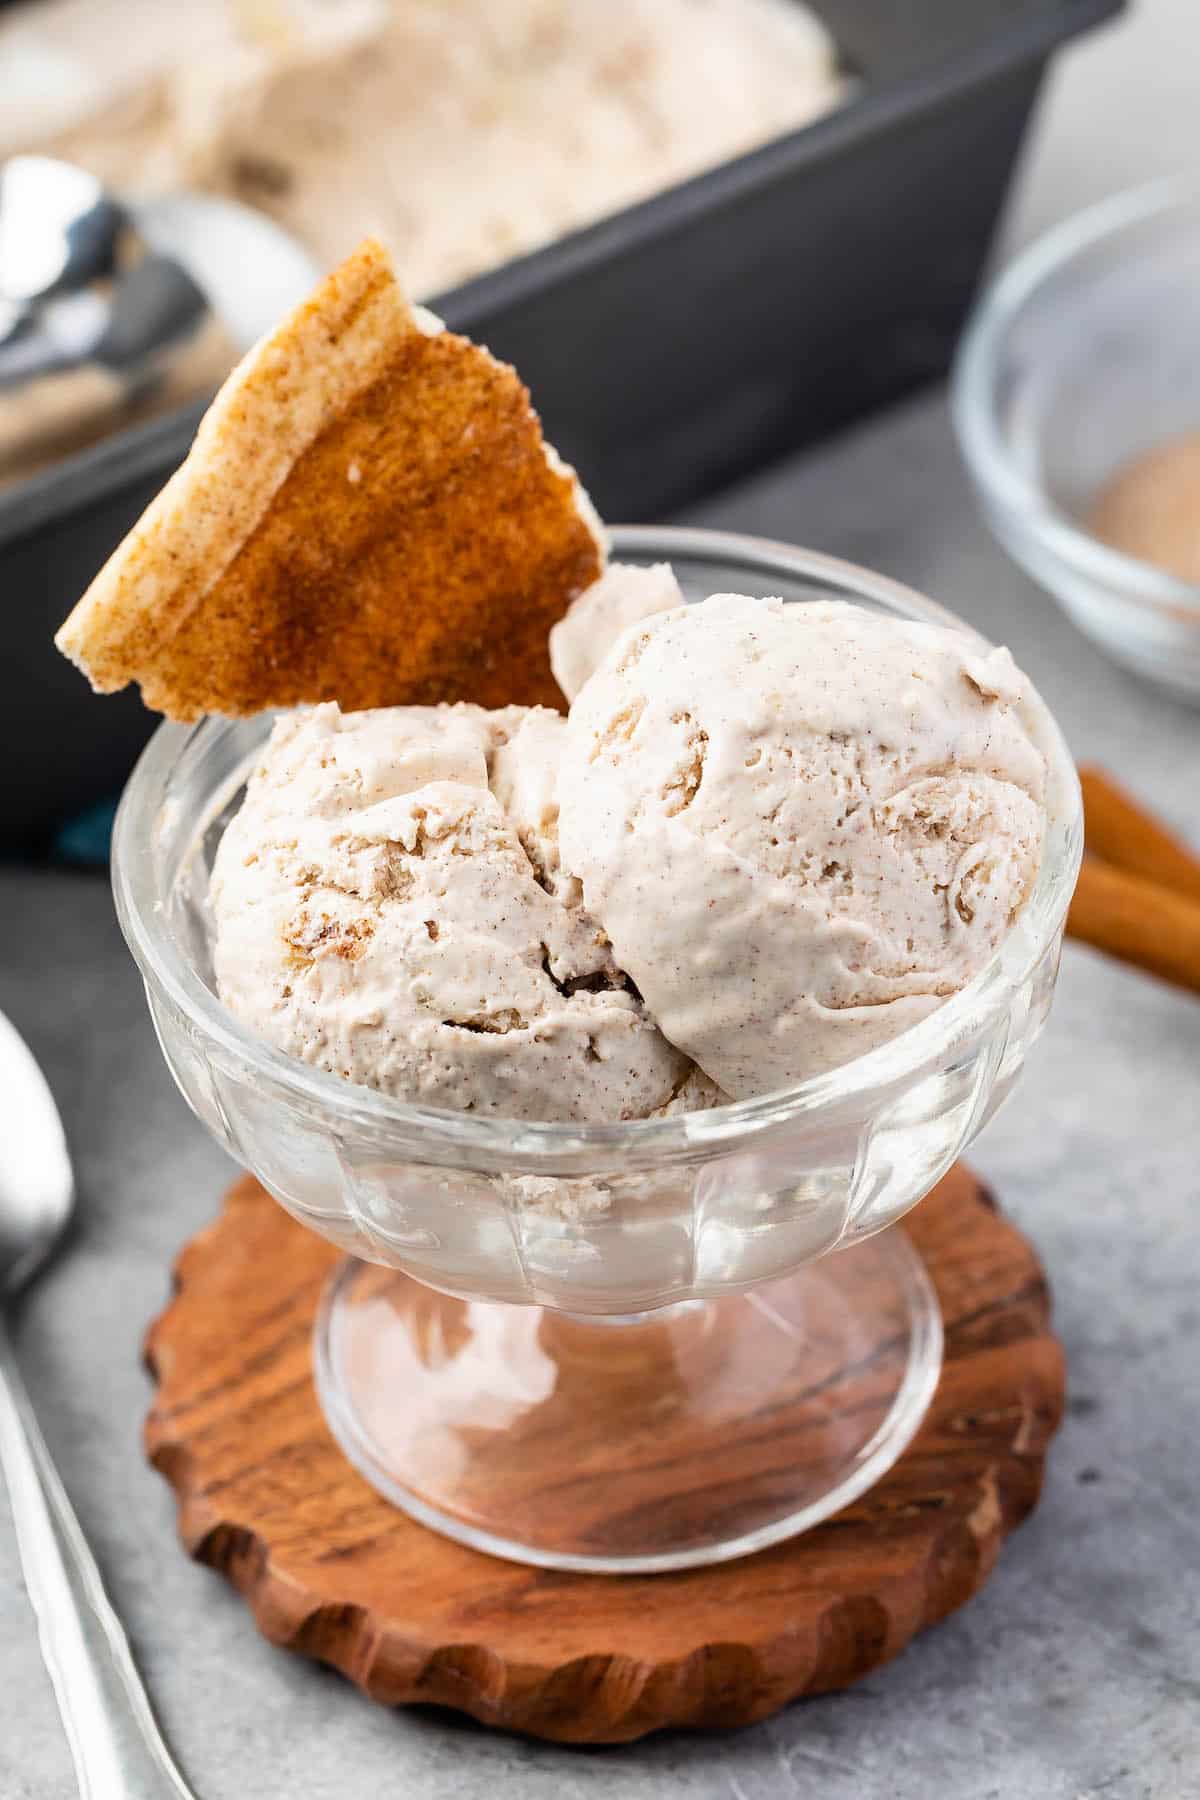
(1142, 922)
(1120, 831)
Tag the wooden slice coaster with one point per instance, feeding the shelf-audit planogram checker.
(330, 1569)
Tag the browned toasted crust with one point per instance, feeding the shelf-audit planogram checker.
(369, 514)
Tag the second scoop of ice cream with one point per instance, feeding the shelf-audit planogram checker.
(389, 907)
(801, 827)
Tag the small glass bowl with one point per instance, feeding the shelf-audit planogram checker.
(606, 1347)
(1082, 356)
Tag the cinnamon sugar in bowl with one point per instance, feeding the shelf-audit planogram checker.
(1077, 403)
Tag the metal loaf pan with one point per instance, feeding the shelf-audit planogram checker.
(671, 348)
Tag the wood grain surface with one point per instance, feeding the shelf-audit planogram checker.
(330, 1569)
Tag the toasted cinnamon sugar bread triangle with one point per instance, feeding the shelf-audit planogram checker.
(369, 514)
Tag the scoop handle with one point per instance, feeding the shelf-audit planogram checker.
(116, 1745)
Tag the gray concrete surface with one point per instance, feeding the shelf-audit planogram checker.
(1077, 1672)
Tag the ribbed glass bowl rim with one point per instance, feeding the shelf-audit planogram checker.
(143, 919)
(972, 388)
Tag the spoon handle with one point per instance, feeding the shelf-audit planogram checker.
(118, 1750)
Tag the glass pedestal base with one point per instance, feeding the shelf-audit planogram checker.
(646, 1442)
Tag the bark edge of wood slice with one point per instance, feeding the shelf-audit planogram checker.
(330, 1569)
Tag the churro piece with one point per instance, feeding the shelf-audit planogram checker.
(369, 514)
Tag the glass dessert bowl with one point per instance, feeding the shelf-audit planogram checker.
(608, 1347)
(1079, 360)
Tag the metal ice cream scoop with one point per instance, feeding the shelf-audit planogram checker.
(85, 305)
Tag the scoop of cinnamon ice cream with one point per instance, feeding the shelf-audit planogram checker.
(595, 619)
(801, 827)
(389, 906)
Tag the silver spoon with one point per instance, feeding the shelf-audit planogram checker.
(80, 290)
(118, 1751)
(59, 229)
